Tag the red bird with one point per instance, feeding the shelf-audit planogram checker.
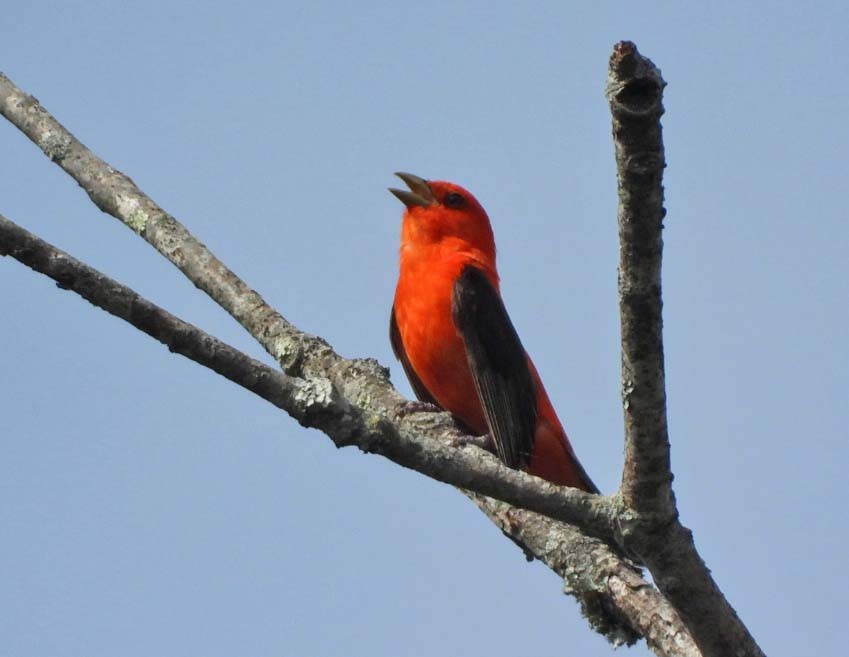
(452, 334)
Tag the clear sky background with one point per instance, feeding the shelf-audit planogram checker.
(149, 507)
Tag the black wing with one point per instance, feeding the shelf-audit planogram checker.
(422, 393)
(499, 365)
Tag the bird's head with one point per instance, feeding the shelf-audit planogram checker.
(442, 213)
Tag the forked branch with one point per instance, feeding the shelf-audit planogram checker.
(353, 402)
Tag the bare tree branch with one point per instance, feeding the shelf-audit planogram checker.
(450, 461)
(597, 577)
(635, 91)
(606, 586)
(353, 402)
(116, 194)
(363, 385)
(650, 522)
(288, 393)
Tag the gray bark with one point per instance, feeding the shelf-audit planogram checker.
(651, 529)
(353, 402)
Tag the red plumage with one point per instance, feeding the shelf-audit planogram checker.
(459, 349)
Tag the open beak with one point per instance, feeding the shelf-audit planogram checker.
(419, 193)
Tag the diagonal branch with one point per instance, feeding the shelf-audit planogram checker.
(116, 194)
(449, 461)
(285, 392)
(605, 585)
(615, 599)
(362, 383)
(650, 521)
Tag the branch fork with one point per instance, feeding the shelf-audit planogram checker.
(581, 537)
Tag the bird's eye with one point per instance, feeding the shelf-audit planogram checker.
(454, 200)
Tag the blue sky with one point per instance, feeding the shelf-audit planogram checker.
(150, 507)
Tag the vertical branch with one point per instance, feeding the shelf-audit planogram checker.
(635, 92)
(650, 523)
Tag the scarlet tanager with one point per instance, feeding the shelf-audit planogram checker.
(452, 334)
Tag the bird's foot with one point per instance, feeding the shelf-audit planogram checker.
(410, 407)
(484, 442)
